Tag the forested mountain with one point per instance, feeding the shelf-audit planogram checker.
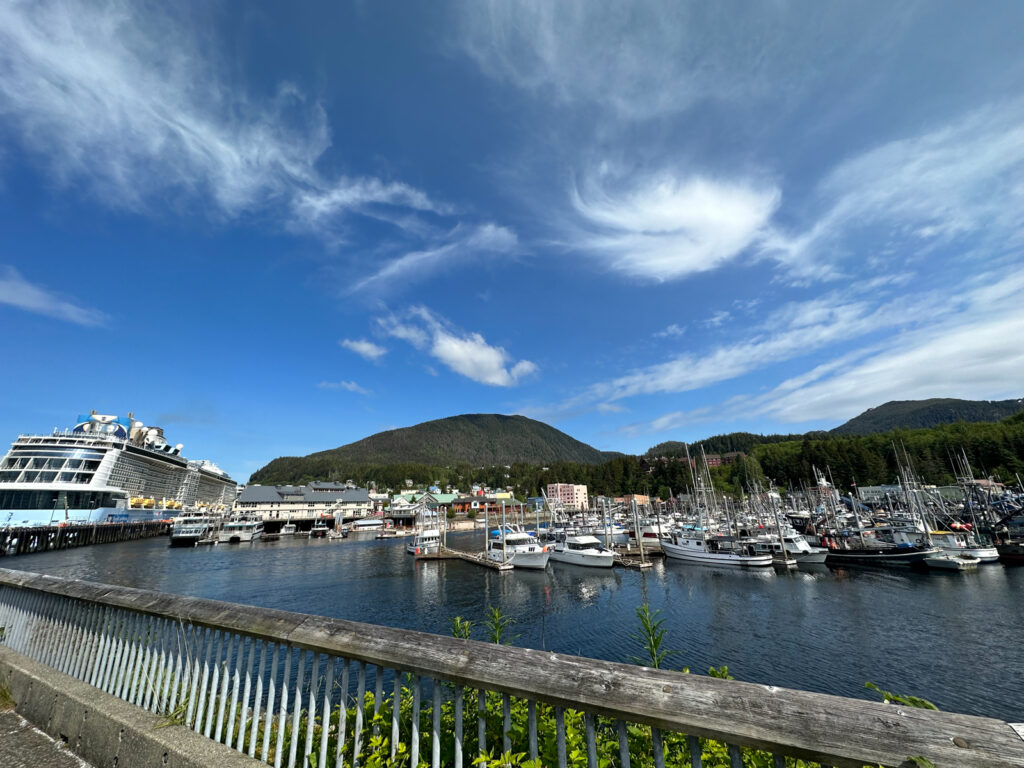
(917, 414)
(479, 439)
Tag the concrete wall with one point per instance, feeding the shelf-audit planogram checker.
(104, 730)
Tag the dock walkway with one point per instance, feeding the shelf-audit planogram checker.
(43, 538)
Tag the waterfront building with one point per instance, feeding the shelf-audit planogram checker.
(486, 505)
(570, 496)
(287, 502)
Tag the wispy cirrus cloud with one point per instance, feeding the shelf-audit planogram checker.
(952, 183)
(365, 349)
(671, 330)
(16, 291)
(963, 350)
(655, 57)
(485, 239)
(105, 95)
(666, 226)
(465, 353)
(348, 386)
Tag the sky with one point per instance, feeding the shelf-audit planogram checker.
(278, 228)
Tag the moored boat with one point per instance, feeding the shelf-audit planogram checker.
(511, 544)
(582, 550)
(699, 547)
(947, 562)
(426, 541)
(241, 530)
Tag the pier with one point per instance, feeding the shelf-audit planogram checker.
(44, 538)
(476, 558)
(262, 683)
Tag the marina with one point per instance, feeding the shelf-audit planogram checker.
(817, 628)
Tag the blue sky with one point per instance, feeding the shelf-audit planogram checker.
(277, 228)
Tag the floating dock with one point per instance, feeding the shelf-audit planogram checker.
(477, 558)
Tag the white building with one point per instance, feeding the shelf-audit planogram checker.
(570, 496)
(285, 502)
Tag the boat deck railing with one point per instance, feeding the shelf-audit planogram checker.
(295, 689)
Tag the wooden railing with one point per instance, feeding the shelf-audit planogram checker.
(295, 689)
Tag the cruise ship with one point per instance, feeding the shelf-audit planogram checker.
(105, 469)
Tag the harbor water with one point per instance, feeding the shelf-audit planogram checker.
(951, 638)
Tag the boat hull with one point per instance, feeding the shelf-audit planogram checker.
(898, 557)
(693, 555)
(588, 559)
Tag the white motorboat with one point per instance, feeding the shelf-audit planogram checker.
(698, 547)
(189, 528)
(583, 550)
(426, 541)
(948, 562)
(288, 529)
(798, 549)
(241, 530)
(961, 543)
(511, 544)
(368, 524)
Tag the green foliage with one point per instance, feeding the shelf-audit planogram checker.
(651, 637)
(475, 440)
(894, 698)
(6, 700)
(461, 628)
(923, 414)
(722, 673)
(496, 624)
(991, 448)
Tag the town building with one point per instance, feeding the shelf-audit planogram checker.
(568, 495)
(301, 502)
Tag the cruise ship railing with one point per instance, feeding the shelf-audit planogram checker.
(299, 690)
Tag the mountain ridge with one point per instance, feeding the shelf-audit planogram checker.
(479, 439)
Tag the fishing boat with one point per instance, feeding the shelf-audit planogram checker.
(710, 549)
(425, 542)
(319, 530)
(963, 543)
(582, 550)
(288, 529)
(511, 544)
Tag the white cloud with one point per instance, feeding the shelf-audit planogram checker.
(965, 346)
(365, 349)
(666, 227)
(915, 194)
(718, 318)
(487, 239)
(653, 57)
(467, 354)
(672, 330)
(17, 292)
(130, 103)
(349, 386)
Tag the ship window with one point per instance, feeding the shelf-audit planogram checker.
(67, 477)
(46, 477)
(29, 477)
(37, 463)
(54, 463)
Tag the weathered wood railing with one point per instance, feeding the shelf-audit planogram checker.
(265, 681)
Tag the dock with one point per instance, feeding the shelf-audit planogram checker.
(477, 558)
(44, 538)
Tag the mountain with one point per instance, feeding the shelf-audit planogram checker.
(479, 439)
(921, 414)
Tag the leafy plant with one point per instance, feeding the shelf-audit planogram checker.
(651, 637)
(461, 628)
(894, 698)
(496, 624)
(722, 672)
